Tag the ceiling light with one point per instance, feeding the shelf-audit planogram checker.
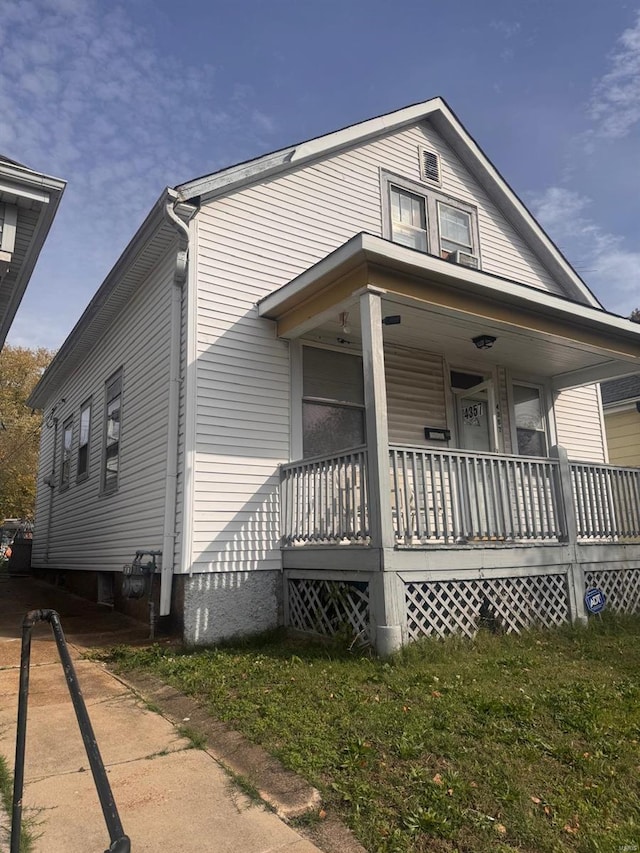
(484, 341)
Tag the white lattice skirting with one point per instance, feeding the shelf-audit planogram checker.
(508, 605)
(329, 607)
(620, 586)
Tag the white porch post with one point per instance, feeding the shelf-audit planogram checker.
(387, 612)
(575, 581)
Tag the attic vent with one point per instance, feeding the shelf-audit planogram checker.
(429, 166)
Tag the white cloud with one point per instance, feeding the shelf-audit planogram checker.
(612, 270)
(508, 29)
(604, 259)
(85, 96)
(615, 104)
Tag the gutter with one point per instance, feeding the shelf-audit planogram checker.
(72, 350)
(171, 477)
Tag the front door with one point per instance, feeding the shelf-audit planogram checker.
(477, 431)
(475, 413)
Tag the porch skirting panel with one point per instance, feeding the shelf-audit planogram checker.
(502, 605)
(430, 604)
(362, 606)
(621, 587)
(329, 607)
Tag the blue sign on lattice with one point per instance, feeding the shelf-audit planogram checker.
(595, 599)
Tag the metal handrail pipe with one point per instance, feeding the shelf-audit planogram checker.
(120, 843)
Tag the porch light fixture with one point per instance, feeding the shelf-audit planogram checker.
(392, 320)
(484, 341)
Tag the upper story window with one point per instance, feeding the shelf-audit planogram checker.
(83, 440)
(113, 425)
(455, 229)
(408, 219)
(426, 219)
(65, 466)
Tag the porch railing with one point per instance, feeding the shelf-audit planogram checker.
(457, 496)
(325, 500)
(607, 501)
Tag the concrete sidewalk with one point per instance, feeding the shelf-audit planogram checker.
(169, 796)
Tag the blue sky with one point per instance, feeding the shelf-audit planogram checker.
(122, 100)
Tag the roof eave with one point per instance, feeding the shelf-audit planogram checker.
(367, 247)
(51, 189)
(303, 152)
(452, 130)
(154, 220)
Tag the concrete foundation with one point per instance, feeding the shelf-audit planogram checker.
(220, 605)
(205, 608)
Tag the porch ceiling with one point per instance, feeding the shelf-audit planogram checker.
(443, 306)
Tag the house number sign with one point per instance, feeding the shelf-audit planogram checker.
(473, 413)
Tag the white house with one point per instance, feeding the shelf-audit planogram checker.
(28, 203)
(351, 384)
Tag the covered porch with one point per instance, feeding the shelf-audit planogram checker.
(483, 515)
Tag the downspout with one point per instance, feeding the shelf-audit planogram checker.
(171, 482)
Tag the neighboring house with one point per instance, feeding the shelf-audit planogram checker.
(28, 203)
(621, 405)
(341, 386)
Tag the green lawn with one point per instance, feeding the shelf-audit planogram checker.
(524, 743)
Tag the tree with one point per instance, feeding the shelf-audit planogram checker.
(20, 369)
(635, 315)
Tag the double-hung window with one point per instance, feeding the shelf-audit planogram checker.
(112, 432)
(83, 441)
(332, 403)
(529, 420)
(426, 219)
(455, 229)
(65, 465)
(408, 219)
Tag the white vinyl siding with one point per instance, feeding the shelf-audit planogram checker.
(579, 424)
(242, 420)
(89, 530)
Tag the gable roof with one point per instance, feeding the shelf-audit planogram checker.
(446, 123)
(618, 390)
(152, 240)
